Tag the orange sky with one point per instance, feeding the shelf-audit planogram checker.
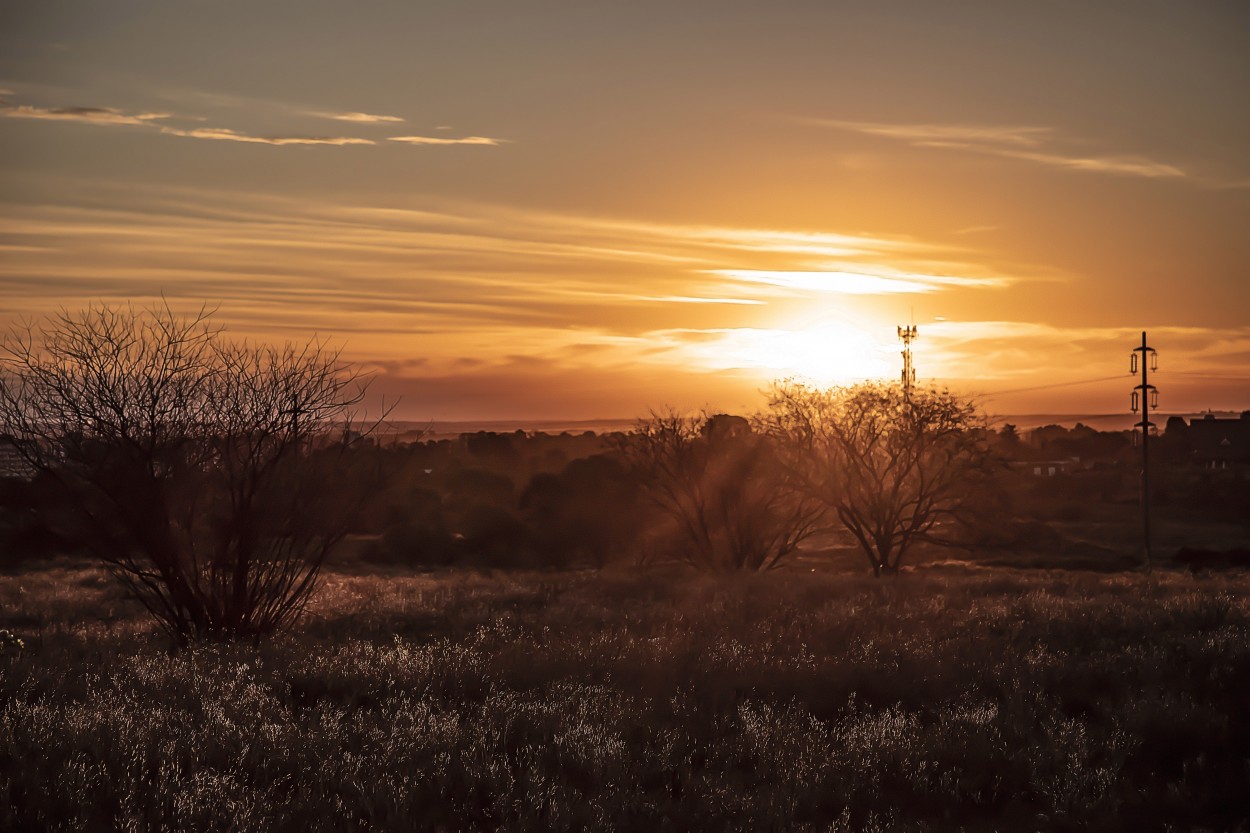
(579, 209)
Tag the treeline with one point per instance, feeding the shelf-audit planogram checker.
(503, 500)
(213, 478)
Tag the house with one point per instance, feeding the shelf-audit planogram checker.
(1220, 443)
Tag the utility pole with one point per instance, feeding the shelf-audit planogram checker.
(1147, 396)
(906, 334)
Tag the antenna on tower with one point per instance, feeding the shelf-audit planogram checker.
(907, 334)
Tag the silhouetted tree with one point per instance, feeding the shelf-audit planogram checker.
(717, 481)
(894, 468)
(588, 511)
(186, 463)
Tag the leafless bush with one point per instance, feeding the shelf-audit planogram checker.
(188, 464)
(717, 481)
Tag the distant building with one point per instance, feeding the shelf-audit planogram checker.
(13, 465)
(1048, 468)
(1220, 443)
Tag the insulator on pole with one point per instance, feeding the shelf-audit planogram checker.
(1132, 363)
(1134, 400)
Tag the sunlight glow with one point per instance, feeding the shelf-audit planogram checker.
(824, 355)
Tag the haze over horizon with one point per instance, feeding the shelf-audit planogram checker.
(573, 210)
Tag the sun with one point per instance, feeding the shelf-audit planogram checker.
(826, 354)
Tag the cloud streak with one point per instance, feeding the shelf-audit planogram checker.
(1020, 136)
(360, 118)
(470, 269)
(660, 309)
(1024, 143)
(88, 115)
(439, 140)
(857, 283)
(109, 116)
(226, 135)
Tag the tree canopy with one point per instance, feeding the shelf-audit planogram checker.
(895, 467)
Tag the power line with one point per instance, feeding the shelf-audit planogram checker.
(992, 394)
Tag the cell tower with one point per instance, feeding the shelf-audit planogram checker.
(906, 334)
(1145, 396)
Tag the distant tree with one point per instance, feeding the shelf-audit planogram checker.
(589, 511)
(1176, 425)
(895, 469)
(416, 533)
(197, 470)
(717, 482)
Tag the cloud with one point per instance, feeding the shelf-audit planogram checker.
(918, 133)
(90, 115)
(1123, 165)
(112, 116)
(854, 283)
(435, 140)
(645, 308)
(1030, 144)
(224, 134)
(446, 280)
(359, 118)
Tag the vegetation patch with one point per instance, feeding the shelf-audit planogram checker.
(941, 700)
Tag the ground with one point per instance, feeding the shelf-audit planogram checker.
(948, 698)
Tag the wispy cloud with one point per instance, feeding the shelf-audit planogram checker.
(1020, 359)
(1040, 145)
(90, 115)
(1022, 136)
(468, 268)
(638, 309)
(359, 118)
(438, 140)
(110, 116)
(224, 134)
(856, 283)
(1123, 165)
(619, 312)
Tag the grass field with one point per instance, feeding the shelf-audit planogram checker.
(947, 699)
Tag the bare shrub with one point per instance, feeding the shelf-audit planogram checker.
(717, 481)
(186, 463)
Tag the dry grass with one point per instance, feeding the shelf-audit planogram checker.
(945, 700)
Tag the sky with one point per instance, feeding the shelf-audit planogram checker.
(578, 209)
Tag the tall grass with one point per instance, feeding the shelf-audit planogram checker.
(941, 701)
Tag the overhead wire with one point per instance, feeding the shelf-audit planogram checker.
(992, 394)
